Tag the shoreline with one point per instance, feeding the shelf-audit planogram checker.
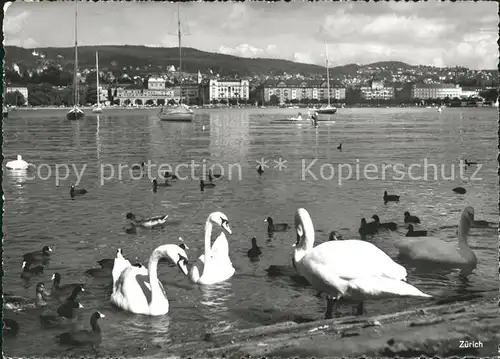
(440, 330)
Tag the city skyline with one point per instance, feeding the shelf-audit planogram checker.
(437, 34)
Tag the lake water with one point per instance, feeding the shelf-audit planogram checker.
(81, 231)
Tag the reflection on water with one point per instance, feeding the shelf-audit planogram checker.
(215, 299)
(89, 228)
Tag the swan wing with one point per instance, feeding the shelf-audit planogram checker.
(382, 287)
(352, 259)
(219, 268)
(120, 264)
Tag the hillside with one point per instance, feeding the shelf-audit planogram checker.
(152, 59)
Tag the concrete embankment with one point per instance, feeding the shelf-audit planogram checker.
(470, 328)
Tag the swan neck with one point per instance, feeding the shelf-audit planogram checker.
(463, 231)
(153, 274)
(208, 236)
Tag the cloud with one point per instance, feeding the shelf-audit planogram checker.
(15, 21)
(249, 51)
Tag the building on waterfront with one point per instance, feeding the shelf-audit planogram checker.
(21, 89)
(470, 92)
(434, 91)
(156, 83)
(377, 91)
(215, 89)
(136, 95)
(297, 90)
(190, 93)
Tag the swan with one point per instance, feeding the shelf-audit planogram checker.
(349, 268)
(215, 265)
(18, 164)
(138, 289)
(434, 249)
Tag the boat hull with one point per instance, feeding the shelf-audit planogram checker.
(75, 114)
(176, 117)
(297, 122)
(97, 110)
(326, 111)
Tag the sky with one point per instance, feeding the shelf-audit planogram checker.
(419, 33)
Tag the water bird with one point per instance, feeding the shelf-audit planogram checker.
(150, 222)
(168, 175)
(9, 327)
(84, 337)
(66, 310)
(413, 233)
(469, 163)
(459, 190)
(260, 171)
(411, 219)
(335, 236)
(28, 272)
(204, 185)
(255, 251)
(161, 184)
(433, 249)
(339, 147)
(387, 225)
(348, 268)
(20, 303)
(278, 227)
(390, 197)
(76, 192)
(38, 256)
(167, 259)
(18, 164)
(138, 289)
(214, 266)
(99, 272)
(367, 228)
(58, 290)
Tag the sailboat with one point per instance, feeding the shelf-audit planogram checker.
(75, 113)
(329, 109)
(178, 112)
(98, 108)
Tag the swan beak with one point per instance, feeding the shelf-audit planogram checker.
(226, 227)
(183, 267)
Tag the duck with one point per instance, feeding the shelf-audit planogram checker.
(469, 163)
(215, 175)
(335, 236)
(99, 272)
(260, 171)
(64, 290)
(349, 268)
(387, 225)
(390, 197)
(413, 233)
(278, 227)
(459, 190)
(106, 263)
(38, 256)
(255, 251)
(150, 222)
(66, 310)
(9, 327)
(84, 337)
(214, 266)
(19, 303)
(204, 185)
(28, 272)
(411, 219)
(18, 164)
(156, 184)
(367, 228)
(435, 250)
(339, 147)
(138, 290)
(76, 192)
(168, 175)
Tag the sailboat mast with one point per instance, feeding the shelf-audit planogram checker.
(76, 94)
(327, 74)
(97, 75)
(180, 49)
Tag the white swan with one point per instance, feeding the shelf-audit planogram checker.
(349, 268)
(138, 289)
(215, 265)
(18, 164)
(435, 250)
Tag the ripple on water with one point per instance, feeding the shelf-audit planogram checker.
(91, 227)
